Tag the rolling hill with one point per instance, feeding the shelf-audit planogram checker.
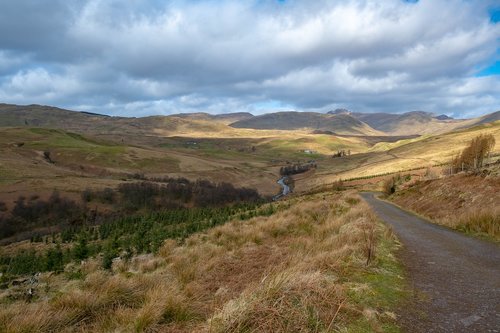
(86, 122)
(226, 118)
(338, 123)
(488, 118)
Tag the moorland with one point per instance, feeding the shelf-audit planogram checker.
(178, 223)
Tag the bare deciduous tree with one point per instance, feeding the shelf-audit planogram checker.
(473, 156)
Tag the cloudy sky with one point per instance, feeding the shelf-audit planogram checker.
(142, 57)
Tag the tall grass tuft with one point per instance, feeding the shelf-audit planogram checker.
(289, 301)
(486, 222)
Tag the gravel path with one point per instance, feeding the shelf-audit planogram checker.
(455, 278)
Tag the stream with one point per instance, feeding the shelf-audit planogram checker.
(286, 188)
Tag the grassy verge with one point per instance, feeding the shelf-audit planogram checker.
(463, 202)
(483, 224)
(388, 289)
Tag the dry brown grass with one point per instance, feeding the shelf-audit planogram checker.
(485, 222)
(290, 272)
(289, 301)
(464, 202)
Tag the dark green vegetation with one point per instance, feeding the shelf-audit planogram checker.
(172, 193)
(144, 214)
(297, 168)
(125, 236)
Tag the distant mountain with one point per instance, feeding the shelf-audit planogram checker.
(443, 117)
(420, 122)
(229, 118)
(339, 111)
(48, 116)
(226, 118)
(409, 123)
(293, 120)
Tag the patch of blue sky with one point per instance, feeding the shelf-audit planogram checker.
(494, 14)
(493, 69)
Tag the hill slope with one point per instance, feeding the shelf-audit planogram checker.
(405, 154)
(420, 122)
(338, 123)
(225, 118)
(488, 118)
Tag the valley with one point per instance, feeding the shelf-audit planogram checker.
(200, 146)
(103, 214)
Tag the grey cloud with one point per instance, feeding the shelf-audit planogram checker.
(36, 27)
(141, 57)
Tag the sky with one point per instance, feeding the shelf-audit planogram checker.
(145, 57)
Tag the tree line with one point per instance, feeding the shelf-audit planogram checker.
(342, 153)
(59, 213)
(296, 169)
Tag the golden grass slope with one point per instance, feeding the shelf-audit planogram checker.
(303, 269)
(402, 155)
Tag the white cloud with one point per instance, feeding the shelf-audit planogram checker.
(38, 86)
(145, 57)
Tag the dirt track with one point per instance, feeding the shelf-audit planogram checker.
(456, 278)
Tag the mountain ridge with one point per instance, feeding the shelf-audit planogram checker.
(341, 121)
(295, 120)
